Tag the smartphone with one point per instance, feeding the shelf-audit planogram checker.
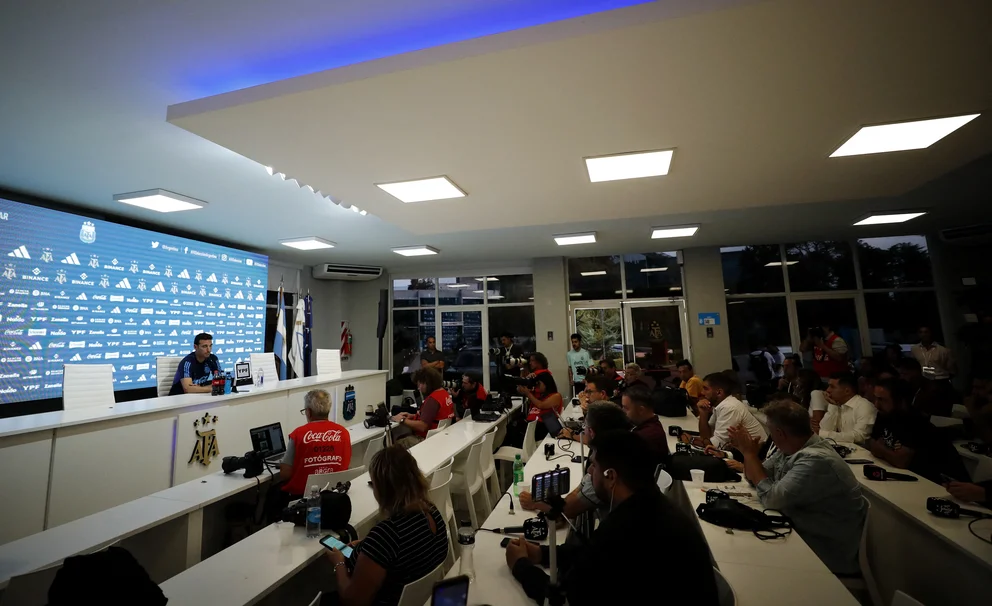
(859, 461)
(504, 542)
(332, 542)
(946, 479)
(451, 592)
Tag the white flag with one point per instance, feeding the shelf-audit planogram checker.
(279, 344)
(296, 348)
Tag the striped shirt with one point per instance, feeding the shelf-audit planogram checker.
(407, 549)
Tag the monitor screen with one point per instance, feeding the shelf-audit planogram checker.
(268, 439)
(79, 290)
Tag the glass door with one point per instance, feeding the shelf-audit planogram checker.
(462, 342)
(840, 312)
(601, 330)
(655, 334)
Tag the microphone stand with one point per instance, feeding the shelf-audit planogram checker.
(556, 595)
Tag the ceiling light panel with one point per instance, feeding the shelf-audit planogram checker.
(629, 166)
(587, 274)
(423, 190)
(674, 232)
(883, 218)
(309, 243)
(416, 251)
(569, 239)
(648, 270)
(160, 200)
(902, 136)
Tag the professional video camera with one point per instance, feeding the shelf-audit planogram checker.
(452, 384)
(379, 417)
(252, 463)
(815, 332)
(497, 351)
(335, 509)
(592, 371)
(528, 382)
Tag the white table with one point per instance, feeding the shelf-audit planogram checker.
(184, 504)
(250, 570)
(979, 466)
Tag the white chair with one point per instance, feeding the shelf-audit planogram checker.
(466, 480)
(488, 464)
(165, 371)
(30, 589)
(375, 445)
(266, 364)
(724, 592)
(945, 421)
(902, 599)
(439, 477)
(959, 411)
(316, 600)
(664, 481)
(431, 432)
(86, 385)
(443, 423)
(419, 592)
(500, 433)
(321, 480)
(866, 584)
(509, 453)
(441, 498)
(328, 361)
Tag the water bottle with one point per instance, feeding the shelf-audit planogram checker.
(518, 475)
(261, 377)
(313, 513)
(466, 542)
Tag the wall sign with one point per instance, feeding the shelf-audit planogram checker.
(709, 319)
(205, 448)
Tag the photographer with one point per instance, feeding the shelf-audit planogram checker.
(541, 398)
(470, 393)
(437, 406)
(829, 350)
(608, 371)
(507, 350)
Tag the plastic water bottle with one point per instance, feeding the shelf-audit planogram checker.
(466, 542)
(313, 513)
(518, 475)
(261, 377)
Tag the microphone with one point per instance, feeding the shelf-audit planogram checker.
(874, 472)
(949, 509)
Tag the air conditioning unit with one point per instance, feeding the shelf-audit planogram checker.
(352, 273)
(968, 235)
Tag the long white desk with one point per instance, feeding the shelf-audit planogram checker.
(69, 464)
(253, 568)
(165, 530)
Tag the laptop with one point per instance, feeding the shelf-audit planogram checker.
(268, 441)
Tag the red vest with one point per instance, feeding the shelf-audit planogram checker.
(320, 447)
(535, 413)
(446, 408)
(823, 365)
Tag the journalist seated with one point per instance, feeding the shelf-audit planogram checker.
(409, 542)
(619, 564)
(318, 446)
(437, 406)
(719, 410)
(809, 482)
(471, 393)
(639, 406)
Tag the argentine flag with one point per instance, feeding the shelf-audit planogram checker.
(296, 353)
(279, 343)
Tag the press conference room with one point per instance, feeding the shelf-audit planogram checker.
(495, 302)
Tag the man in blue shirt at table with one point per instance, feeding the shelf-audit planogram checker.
(197, 369)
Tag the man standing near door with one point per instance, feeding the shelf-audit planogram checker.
(578, 359)
(829, 351)
(432, 357)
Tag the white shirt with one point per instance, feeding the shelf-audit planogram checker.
(818, 401)
(731, 413)
(849, 422)
(936, 360)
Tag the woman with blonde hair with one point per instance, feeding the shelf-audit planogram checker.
(411, 540)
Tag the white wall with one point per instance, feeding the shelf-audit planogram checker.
(703, 283)
(551, 314)
(361, 309)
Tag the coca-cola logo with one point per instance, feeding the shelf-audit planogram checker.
(331, 435)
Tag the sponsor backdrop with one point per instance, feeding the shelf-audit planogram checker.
(78, 290)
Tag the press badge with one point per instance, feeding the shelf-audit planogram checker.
(929, 371)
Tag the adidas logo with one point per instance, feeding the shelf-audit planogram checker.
(71, 260)
(260, 297)
(35, 346)
(158, 288)
(124, 284)
(240, 295)
(81, 297)
(146, 323)
(184, 275)
(76, 358)
(173, 334)
(142, 378)
(210, 278)
(21, 252)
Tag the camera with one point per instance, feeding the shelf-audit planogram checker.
(496, 351)
(528, 382)
(453, 384)
(519, 361)
(378, 417)
(593, 370)
(252, 463)
(815, 332)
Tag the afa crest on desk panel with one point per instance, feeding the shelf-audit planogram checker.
(206, 447)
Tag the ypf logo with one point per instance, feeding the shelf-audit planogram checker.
(206, 448)
(87, 233)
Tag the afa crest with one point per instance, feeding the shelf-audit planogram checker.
(87, 233)
(206, 447)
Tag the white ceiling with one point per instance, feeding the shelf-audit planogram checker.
(753, 96)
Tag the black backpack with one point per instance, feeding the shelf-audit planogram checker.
(758, 365)
(670, 401)
(715, 470)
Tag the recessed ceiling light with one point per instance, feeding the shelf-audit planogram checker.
(629, 166)
(734, 302)
(495, 296)
(674, 232)
(160, 200)
(478, 292)
(568, 239)
(620, 292)
(415, 251)
(881, 219)
(309, 243)
(575, 294)
(422, 190)
(457, 285)
(779, 263)
(901, 136)
(530, 298)
(592, 273)
(648, 270)
(487, 279)
(675, 288)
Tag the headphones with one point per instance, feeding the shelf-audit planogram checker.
(608, 473)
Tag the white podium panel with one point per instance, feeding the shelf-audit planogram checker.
(24, 473)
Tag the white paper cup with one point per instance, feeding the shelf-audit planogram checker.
(697, 477)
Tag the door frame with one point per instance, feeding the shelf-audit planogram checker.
(859, 309)
(627, 323)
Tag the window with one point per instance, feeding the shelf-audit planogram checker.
(652, 275)
(461, 291)
(897, 262)
(601, 332)
(415, 292)
(594, 278)
(895, 317)
(752, 269)
(461, 340)
(411, 327)
(756, 323)
(817, 266)
(517, 288)
(517, 320)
